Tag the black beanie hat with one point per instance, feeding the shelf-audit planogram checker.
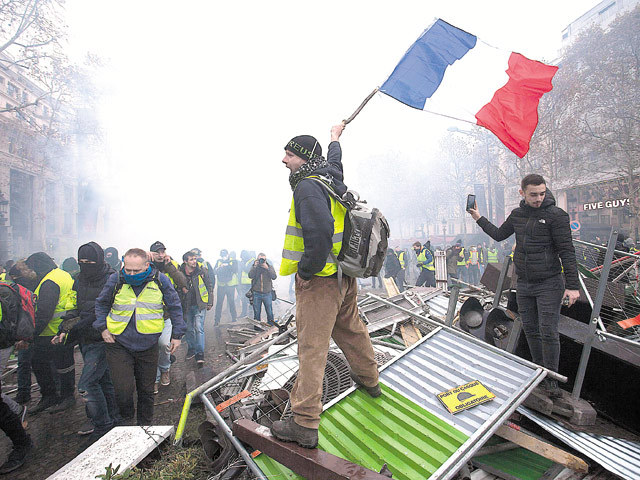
(305, 147)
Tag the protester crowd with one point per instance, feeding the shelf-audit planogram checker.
(128, 315)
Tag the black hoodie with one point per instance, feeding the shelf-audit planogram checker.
(313, 213)
(543, 238)
(49, 293)
(88, 285)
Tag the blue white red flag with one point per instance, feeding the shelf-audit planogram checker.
(493, 88)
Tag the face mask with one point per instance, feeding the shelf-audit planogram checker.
(88, 269)
(137, 279)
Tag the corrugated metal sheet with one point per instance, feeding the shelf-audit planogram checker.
(447, 360)
(519, 463)
(621, 457)
(438, 307)
(390, 429)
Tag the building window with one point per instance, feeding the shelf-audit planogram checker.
(565, 35)
(606, 8)
(1, 80)
(25, 97)
(12, 90)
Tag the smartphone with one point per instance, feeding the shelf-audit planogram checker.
(471, 201)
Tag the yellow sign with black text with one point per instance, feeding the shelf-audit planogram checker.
(465, 396)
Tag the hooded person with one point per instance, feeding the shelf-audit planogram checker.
(112, 258)
(70, 265)
(55, 300)
(130, 317)
(95, 385)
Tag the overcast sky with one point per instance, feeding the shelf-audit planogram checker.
(202, 96)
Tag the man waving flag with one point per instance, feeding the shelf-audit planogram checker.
(496, 89)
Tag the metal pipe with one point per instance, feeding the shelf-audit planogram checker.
(229, 434)
(188, 398)
(620, 339)
(451, 308)
(500, 286)
(375, 341)
(595, 314)
(588, 295)
(473, 339)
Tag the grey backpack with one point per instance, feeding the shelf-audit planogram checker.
(365, 237)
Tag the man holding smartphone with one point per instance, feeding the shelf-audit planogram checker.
(544, 251)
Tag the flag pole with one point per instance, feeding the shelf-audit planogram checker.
(359, 109)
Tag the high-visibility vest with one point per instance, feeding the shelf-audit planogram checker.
(294, 242)
(175, 264)
(3, 277)
(462, 263)
(147, 307)
(234, 278)
(401, 259)
(66, 299)
(422, 257)
(202, 289)
(244, 279)
(492, 256)
(474, 257)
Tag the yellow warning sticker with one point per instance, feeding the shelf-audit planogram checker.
(465, 396)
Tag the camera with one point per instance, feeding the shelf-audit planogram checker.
(262, 260)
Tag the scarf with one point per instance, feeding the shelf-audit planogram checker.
(305, 170)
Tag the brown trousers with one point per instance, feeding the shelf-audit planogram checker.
(323, 312)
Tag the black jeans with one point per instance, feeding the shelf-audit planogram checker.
(539, 307)
(131, 370)
(426, 278)
(230, 293)
(61, 356)
(10, 424)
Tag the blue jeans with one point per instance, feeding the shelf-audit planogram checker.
(96, 388)
(195, 329)
(265, 299)
(164, 358)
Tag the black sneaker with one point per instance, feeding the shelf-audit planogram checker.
(200, 359)
(190, 355)
(86, 429)
(44, 404)
(16, 458)
(63, 405)
(289, 431)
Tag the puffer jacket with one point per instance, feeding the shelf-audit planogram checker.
(543, 240)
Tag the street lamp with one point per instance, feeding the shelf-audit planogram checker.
(486, 144)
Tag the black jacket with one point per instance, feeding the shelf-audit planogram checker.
(49, 293)
(194, 289)
(262, 278)
(543, 239)
(88, 285)
(313, 213)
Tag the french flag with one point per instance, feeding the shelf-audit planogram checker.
(464, 78)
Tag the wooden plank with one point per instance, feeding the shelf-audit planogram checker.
(312, 464)
(410, 334)
(391, 287)
(124, 446)
(513, 433)
(243, 394)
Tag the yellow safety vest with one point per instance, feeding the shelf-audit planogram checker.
(474, 257)
(66, 299)
(423, 258)
(3, 277)
(401, 259)
(462, 263)
(245, 280)
(202, 288)
(175, 264)
(492, 256)
(294, 242)
(148, 307)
